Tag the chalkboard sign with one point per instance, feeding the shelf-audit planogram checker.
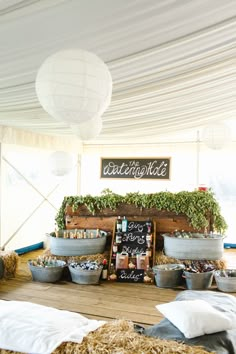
(136, 168)
(134, 240)
(130, 275)
(133, 251)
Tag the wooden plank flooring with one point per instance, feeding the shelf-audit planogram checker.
(107, 301)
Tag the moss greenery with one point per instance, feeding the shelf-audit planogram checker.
(196, 205)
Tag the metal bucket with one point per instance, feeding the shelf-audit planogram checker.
(81, 276)
(198, 281)
(210, 248)
(47, 274)
(168, 275)
(60, 246)
(226, 280)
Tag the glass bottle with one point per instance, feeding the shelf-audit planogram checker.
(112, 272)
(148, 243)
(148, 238)
(118, 238)
(149, 226)
(114, 249)
(118, 224)
(104, 270)
(124, 224)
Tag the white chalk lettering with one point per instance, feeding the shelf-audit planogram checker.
(130, 237)
(135, 226)
(133, 250)
(155, 168)
(131, 275)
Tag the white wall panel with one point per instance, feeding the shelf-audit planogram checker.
(182, 172)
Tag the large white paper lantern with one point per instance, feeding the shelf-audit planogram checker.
(216, 135)
(89, 129)
(60, 163)
(74, 86)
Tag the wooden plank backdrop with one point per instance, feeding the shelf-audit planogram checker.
(166, 221)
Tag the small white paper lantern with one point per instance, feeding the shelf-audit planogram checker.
(74, 86)
(89, 129)
(216, 135)
(60, 163)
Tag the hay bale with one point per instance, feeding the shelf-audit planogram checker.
(10, 263)
(161, 258)
(119, 337)
(68, 259)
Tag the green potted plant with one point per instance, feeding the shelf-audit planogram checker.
(196, 205)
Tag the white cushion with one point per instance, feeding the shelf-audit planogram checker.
(195, 317)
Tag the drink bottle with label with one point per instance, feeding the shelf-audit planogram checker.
(104, 270)
(118, 224)
(124, 224)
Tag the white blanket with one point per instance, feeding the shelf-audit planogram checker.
(37, 329)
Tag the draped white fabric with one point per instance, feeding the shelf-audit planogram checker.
(173, 64)
(14, 136)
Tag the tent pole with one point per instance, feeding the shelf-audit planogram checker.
(78, 174)
(0, 194)
(198, 159)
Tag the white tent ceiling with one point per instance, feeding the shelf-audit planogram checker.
(173, 63)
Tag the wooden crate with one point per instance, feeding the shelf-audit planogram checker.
(165, 221)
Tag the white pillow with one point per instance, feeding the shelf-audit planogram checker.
(195, 317)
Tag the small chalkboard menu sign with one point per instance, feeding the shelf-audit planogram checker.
(134, 240)
(130, 275)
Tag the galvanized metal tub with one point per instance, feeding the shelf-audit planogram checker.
(60, 246)
(81, 276)
(47, 274)
(210, 248)
(168, 275)
(226, 280)
(198, 281)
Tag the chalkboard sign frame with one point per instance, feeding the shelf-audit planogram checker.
(152, 260)
(135, 168)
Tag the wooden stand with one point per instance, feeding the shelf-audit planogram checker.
(132, 248)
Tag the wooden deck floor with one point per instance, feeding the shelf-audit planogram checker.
(107, 301)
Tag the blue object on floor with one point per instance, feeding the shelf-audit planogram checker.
(229, 245)
(30, 248)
